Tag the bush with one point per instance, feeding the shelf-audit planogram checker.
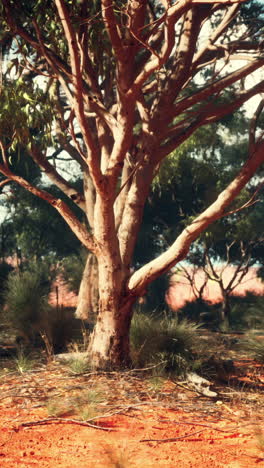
(254, 346)
(155, 298)
(60, 327)
(26, 300)
(27, 309)
(203, 311)
(5, 269)
(168, 341)
(246, 312)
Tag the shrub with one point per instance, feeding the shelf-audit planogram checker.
(203, 311)
(155, 298)
(60, 328)
(78, 365)
(5, 269)
(168, 341)
(26, 298)
(247, 312)
(254, 346)
(24, 363)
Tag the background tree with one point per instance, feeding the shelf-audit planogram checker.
(234, 243)
(124, 86)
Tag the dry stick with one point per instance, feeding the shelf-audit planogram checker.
(62, 421)
(198, 424)
(173, 439)
(122, 409)
(80, 423)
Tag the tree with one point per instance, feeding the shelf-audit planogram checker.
(239, 257)
(125, 84)
(32, 227)
(233, 244)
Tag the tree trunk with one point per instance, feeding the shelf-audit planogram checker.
(225, 310)
(88, 297)
(109, 346)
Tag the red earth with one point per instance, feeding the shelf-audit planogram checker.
(52, 418)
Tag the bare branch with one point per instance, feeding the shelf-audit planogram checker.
(4, 182)
(230, 14)
(156, 62)
(180, 247)
(92, 151)
(56, 178)
(217, 87)
(76, 226)
(208, 113)
(112, 28)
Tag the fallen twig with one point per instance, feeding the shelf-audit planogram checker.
(173, 439)
(198, 424)
(122, 409)
(62, 421)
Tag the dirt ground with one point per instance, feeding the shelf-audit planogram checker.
(53, 418)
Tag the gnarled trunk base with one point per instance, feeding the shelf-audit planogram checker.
(109, 346)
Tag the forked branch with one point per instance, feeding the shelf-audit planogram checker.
(179, 249)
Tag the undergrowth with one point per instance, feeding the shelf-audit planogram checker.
(27, 309)
(23, 362)
(78, 365)
(170, 344)
(85, 405)
(254, 346)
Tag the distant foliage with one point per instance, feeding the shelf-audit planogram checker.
(246, 313)
(72, 270)
(155, 298)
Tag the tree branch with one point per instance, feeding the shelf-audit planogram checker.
(92, 151)
(208, 114)
(155, 62)
(216, 87)
(76, 226)
(4, 182)
(179, 249)
(56, 178)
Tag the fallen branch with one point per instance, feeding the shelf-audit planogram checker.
(198, 424)
(173, 439)
(55, 420)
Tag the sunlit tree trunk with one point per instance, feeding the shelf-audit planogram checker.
(109, 344)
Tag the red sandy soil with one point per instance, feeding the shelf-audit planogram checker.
(134, 422)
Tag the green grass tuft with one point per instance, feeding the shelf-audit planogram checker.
(170, 342)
